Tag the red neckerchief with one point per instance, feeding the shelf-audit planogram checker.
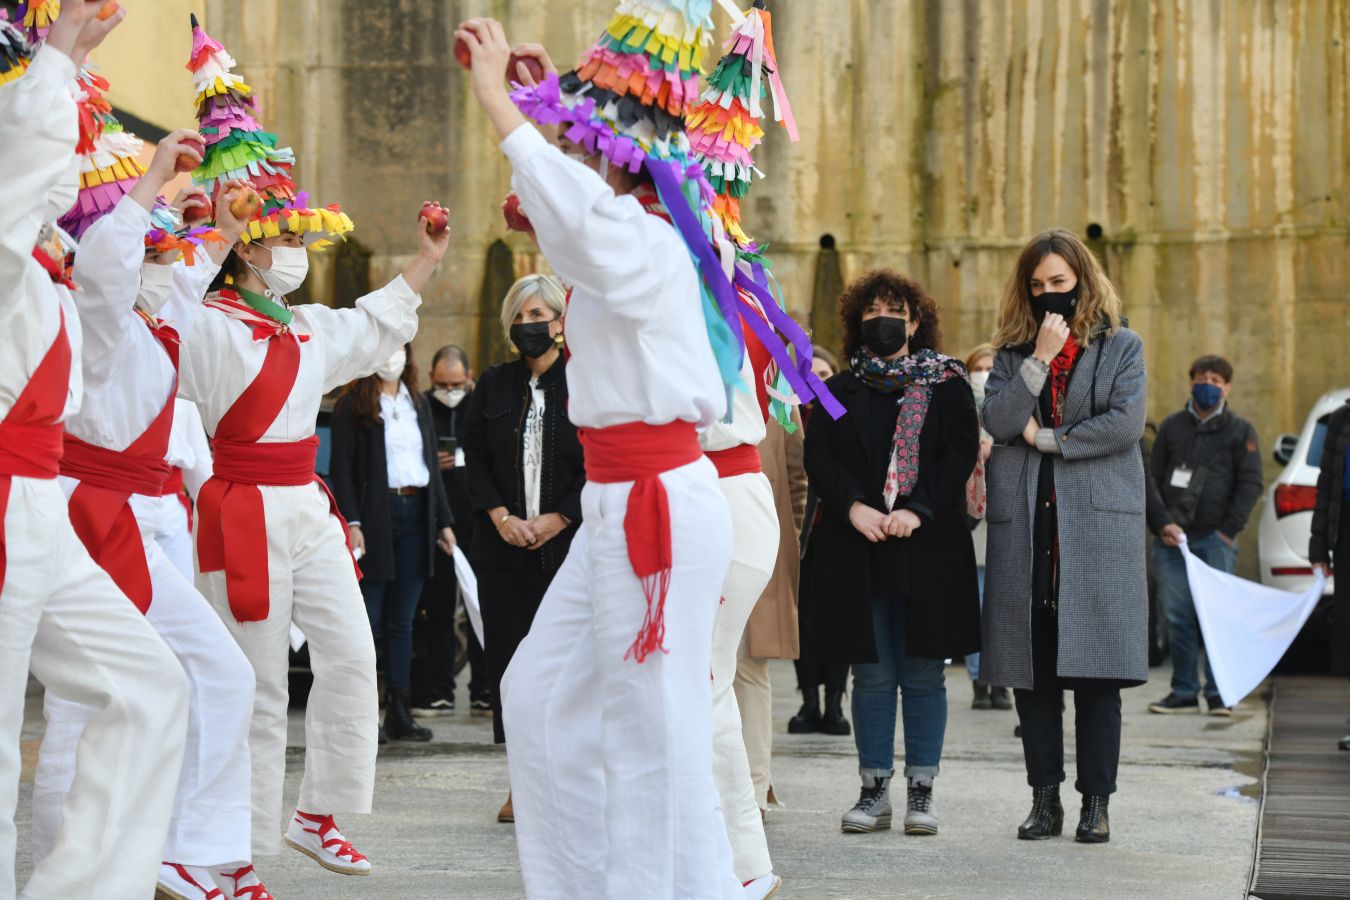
(55, 270)
(646, 195)
(264, 328)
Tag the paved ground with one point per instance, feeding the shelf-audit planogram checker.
(1184, 821)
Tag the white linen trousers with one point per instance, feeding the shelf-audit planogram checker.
(754, 550)
(211, 811)
(611, 760)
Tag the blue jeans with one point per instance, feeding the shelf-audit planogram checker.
(392, 605)
(923, 687)
(1174, 596)
(973, 659)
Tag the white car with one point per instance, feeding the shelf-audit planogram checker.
(1286, 519)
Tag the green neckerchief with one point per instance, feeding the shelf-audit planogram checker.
(265, 306)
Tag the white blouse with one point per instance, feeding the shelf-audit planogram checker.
(403, 450)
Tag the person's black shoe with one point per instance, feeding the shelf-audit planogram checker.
(439, 705)
(807, 719)
(481, 707)
(1047, 816)
(999, 698)
(1094, 825)
(1345, 743)
(398, 721)
(833, 721)
(1216, 707)
(980, 698)
(1172, 704)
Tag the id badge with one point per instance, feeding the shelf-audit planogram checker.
(1181, 477)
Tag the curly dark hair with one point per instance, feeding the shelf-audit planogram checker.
(890, 285)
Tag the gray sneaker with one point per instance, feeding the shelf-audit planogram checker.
(919, 818)
(872, 812)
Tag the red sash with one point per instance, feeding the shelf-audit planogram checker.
(231, 524)
(100, 507)
(640, 453)
(173, 487)
(742, 459)
(30, 435)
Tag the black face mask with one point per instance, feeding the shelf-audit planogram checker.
(532, 338)
(885, 335)
(1062, 304)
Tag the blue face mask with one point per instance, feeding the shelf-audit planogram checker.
(1206, 396)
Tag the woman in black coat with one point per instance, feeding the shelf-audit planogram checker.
(1329, 540)
(384, 455)
(525, 474)
(890, 583)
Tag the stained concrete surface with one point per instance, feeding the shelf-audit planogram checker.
(1184, 820)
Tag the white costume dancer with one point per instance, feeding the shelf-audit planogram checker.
(113, 472)
(88, 643)
(611, 736)
(754, 550)
(271, 547)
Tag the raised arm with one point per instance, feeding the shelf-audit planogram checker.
(1011, 394)
(1121, 425)
(108, 271)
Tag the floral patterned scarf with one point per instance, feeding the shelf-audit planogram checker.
(915, 375)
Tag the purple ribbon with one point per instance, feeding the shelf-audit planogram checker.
(805, 383)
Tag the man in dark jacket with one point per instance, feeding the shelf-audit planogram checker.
(1207, 466)
(451, 386)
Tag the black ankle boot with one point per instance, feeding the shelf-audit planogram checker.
(1094, 825)
(1047, 815)
(833, 721)
(398, 720)
(807, 719)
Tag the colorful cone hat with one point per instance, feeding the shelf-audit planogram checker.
(36, 17)
(109, 165)
(15, 54)
(724, 129)
(168, 233)
(237, 147)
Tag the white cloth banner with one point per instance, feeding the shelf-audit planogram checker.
(468, 588)
(1247, 626)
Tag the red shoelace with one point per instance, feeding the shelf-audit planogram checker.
(213, 894)
(338, 846)
(250, 891)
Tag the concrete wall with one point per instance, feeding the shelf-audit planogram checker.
(1207, 139)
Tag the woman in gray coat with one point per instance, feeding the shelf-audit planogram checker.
(1066, 604)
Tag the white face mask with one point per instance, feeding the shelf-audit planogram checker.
(62, 195)
(978, 380)
(392, 368)
(451, 397)
(156, 286)
(290, 265)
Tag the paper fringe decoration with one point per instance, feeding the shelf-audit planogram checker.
(109, 167)
(725, 127)
(237, 147)
(37, 17)
(15, 54)
(168, 233)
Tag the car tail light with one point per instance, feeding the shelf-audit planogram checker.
(1288, 571)
(1294, 498)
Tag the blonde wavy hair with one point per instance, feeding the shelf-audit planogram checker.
(545, 287)
(1098, 301)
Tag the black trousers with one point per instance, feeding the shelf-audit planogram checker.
(812, 675)
(509, 598)
(1340, 602)
(1041, 711)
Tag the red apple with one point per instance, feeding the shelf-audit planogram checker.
(516, 220)
(197, 213)
(532, 65)
(246, 205)
(437, 218)
(108, 10)
(186, 163)
(463, 54)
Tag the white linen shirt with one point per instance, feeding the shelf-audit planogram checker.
(403, 451)
(188, 449)
(635, 328)
(39, 127)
